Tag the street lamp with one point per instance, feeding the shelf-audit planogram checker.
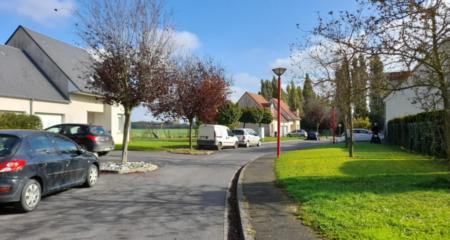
(279, 71)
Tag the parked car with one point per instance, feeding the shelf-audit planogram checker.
(247, 137)
(313, 135)
(36, 163)
(92, 138)
(298, 133)
(216, 136)
(362, 135)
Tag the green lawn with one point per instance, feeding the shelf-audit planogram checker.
(382, 193)
(157, 145)
(274, 139)
(175, 133)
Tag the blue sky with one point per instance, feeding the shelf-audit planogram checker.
(248, 37)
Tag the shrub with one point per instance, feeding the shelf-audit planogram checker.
(422, 133)
(19, 121)
(361, 122)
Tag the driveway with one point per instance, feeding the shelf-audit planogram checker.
(183, 199)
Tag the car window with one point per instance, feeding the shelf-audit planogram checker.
(238, 132)
(7, 144)
(97, 130)
(75, 130)
(65, 145)
(54, 129)
(40, 145)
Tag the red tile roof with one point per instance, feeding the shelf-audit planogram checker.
(286, 113)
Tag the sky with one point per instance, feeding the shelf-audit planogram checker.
(247, 37)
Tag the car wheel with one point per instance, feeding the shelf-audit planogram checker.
(30, 196)
(91, 176)
(247, 144)
(236, 145)
(259, 144)
(219, 147)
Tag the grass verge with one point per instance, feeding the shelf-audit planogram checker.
(157, 145)
(382, 193)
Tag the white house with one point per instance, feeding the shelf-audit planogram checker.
(289, 119)
(46, 77)
(403, 102)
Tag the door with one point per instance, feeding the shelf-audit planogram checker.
(229, 137)
(49, 120)
(49, 163)
(75, 163)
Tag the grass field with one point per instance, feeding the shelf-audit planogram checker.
(157, 145)
(141, 134)
(382, 193)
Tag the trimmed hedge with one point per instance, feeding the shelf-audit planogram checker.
(19, 121)
(421, 133)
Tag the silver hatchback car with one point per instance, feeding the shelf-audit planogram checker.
(247, 137)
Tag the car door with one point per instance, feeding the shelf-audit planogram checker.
(49, 164)
(76, 164)
(254, 137)
(230, 137)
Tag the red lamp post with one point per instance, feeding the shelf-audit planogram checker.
(279, 71)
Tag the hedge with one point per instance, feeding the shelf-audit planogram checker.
(422, 133)
(19, 121)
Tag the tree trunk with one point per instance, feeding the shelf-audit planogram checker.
(126, 134)
(445, 99)
(244, 124)
(350, 134)
(190, 132)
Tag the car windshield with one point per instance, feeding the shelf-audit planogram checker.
(97, 130)
(7, 144)
(238, 132)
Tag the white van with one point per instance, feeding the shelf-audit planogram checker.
(217, 136)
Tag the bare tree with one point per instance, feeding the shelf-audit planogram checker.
(130, 41)
(199, 90)
(414, 34)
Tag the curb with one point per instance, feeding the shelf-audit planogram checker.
(246, 226)
(226, 225)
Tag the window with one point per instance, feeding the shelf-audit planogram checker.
(97, 131)
(74, 130)
(7, 144)
(238, 132)
(65, 145)
(40, 145)
(121, 122)
(55, 129)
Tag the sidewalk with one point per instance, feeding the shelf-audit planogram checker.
(272, 214)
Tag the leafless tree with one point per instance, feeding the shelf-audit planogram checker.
(130, 42)
(414, 34)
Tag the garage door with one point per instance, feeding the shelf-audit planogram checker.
(49, 120)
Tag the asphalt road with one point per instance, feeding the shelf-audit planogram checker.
(183, 199)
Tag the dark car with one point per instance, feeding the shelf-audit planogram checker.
(36, 163)
(313, 135)
(90, 137)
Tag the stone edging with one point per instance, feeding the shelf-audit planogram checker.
(246, 226)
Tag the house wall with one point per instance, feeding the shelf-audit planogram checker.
(247, 102)
(81, 109)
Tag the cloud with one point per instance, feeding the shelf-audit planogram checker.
(42, 11)
(246, 81)
(185, 42)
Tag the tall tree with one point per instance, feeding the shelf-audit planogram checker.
(360, 76)
(293, 98)
(229, 115)
(131, 44)
(376, 95)
(300, 101)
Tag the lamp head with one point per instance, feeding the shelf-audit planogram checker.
(279, 71)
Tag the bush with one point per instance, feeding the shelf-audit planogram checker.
(19, 121)
(421, 133)
(361, 122)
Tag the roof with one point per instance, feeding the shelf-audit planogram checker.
(286, 113)
(75, 62)
(285, 110)
(20, 78)
(260, 100)
(398, 76)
